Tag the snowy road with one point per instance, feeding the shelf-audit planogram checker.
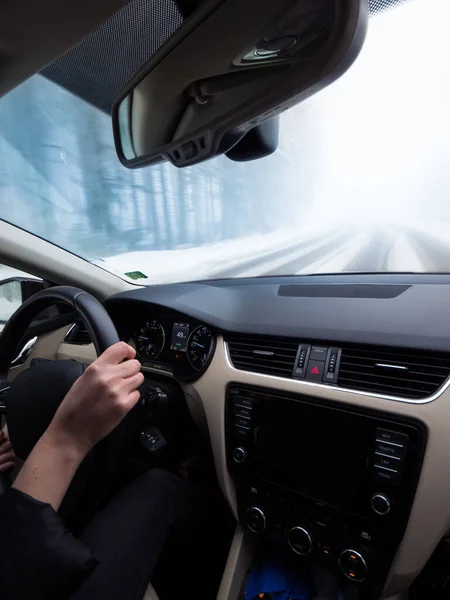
(379, 249)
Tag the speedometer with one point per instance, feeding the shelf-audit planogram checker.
(150, 340)
(200, 345)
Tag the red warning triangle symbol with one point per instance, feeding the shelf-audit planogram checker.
(315, 371)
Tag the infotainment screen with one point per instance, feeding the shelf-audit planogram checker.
(313, 449)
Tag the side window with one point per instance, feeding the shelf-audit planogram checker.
(15, 287)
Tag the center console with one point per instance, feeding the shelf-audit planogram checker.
(330, 485)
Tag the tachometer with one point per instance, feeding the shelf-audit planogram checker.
(150, 340)
(199, 346)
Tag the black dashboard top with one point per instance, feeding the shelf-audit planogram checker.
(403, 310)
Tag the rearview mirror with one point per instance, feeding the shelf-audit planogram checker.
(229, 68)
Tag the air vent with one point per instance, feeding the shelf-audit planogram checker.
(78, 335)
(393, 372)
(270, 356)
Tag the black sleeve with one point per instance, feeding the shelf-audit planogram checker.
(39, 558)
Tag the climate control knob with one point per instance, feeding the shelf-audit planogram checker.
(353, 565)
(300, 540)
(255, 519)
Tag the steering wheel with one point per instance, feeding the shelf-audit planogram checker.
(36, 393)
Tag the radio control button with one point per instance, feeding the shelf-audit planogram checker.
(389, 477)
(391, 462)
(239, 455)
(300, 540)
(255, 519)
(394, 437)
(381, 505)
(241, 432)
(390, 449)
(243, 401)
(353, 565)
(242, 411)
(242, 422)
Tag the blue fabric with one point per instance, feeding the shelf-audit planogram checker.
(281, 580)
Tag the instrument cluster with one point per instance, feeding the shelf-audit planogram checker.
(179, 347)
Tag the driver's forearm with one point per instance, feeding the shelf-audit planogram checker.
(48, 471)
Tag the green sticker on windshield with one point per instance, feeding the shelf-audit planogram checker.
(136, 275)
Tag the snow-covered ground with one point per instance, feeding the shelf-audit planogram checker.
(212, 260)
(382, 247)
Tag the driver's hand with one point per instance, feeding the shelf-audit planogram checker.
(99, 399)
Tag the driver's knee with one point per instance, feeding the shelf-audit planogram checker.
(145, 508)
(158, 479)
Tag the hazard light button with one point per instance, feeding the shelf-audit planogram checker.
(315, 370)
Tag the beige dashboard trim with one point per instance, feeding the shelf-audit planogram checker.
(45, 347)
(240, 557)
(85, 353)
(430, 515)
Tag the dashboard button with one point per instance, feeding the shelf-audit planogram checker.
(242, 411)
(332, 365)
(244, 401)
(390, 449)
(325, 551)
(315, 370)
(391, 462)
(318, 353)
(353, 565)
(241, 432)
(389, 477)
(301, 361)
(302, 356)
(381, 505)
(239, 455)
(393, 437)
(255, 519)
(242, 422)
(300, 540)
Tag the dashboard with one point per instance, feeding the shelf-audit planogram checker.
(376, 431)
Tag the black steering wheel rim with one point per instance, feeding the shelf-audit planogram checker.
(101, 329)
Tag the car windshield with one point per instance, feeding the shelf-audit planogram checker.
(360, 182)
